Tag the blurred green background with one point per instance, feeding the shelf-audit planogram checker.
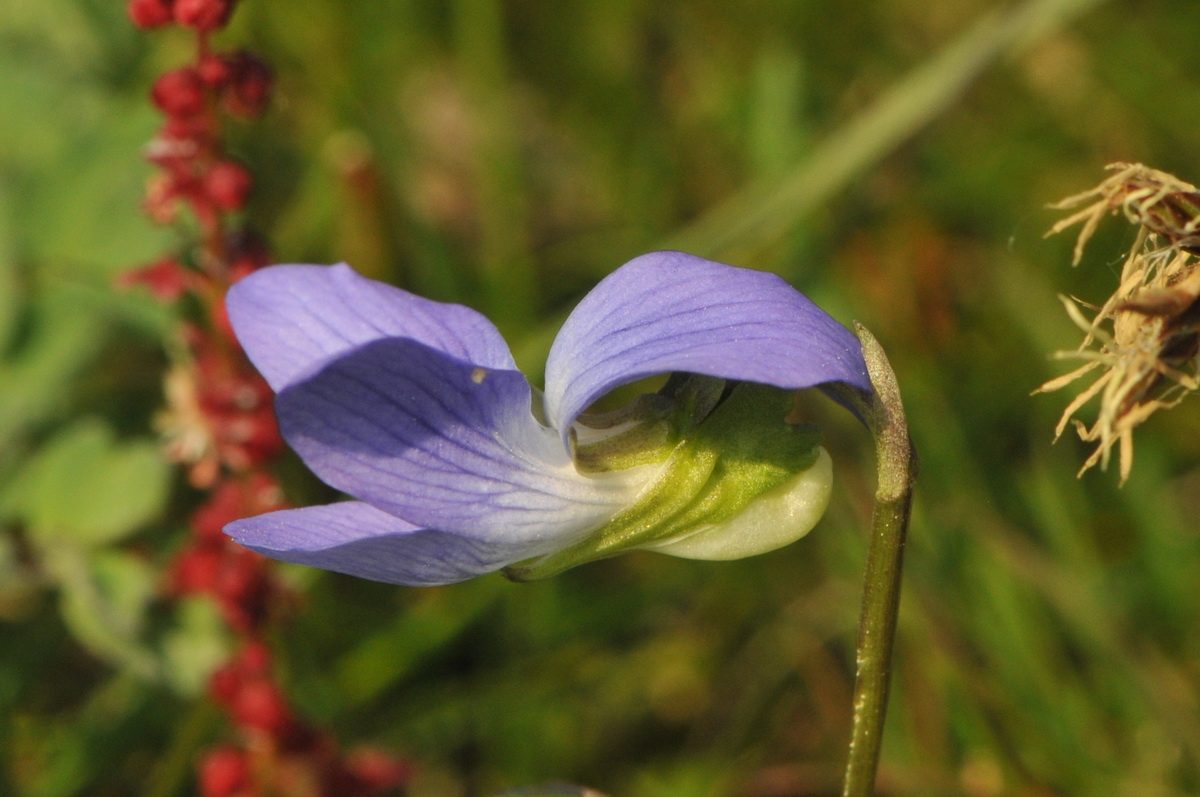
(893, 159)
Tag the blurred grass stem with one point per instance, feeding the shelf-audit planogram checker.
(506, 265)
(896, 461)
(764, 212)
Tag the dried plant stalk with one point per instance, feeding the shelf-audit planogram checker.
(1146, 336)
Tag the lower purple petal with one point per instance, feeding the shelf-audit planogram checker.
(359, 540)
(445, 444)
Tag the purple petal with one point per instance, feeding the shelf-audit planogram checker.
(670, 311)
(291, 319)
(443, 444)
(359, 540)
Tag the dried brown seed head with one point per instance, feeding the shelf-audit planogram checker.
(1145, 338)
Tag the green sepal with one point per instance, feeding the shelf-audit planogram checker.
(641, 433)
(727, 456)
(648, 429)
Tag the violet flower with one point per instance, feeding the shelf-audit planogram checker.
(459, 467)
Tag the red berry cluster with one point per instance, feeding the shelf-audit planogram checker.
(166, 278)
(195, 170)
(220, 422)
(238, 580)
(282, 755)
(228, 407)
(203, 15)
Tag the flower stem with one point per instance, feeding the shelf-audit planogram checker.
(897, 469)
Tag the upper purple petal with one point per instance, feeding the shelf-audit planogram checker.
(291, 319)
(670, 311)
(359, 540)
(442, 443)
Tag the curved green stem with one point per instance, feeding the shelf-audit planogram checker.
(897, 470)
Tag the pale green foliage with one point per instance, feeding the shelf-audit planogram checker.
(722, 454)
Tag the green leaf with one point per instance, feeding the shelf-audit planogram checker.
(195, 645)
(10, 296)
(104, 600)
(64, 336)
(88, 488)
(74, 160)
(20, 585)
